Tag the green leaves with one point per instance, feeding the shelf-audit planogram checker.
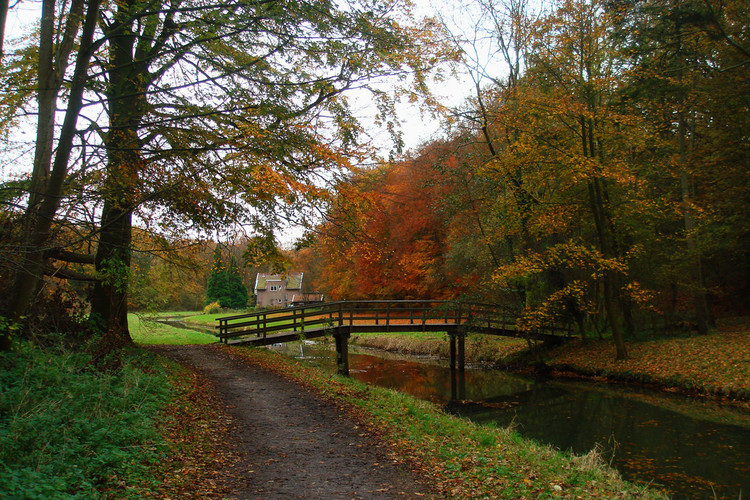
(67, 431)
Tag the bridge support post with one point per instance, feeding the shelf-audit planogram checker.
(453, 350)
(457, 349)
(457, 353)
(341, 335)
(461, 350)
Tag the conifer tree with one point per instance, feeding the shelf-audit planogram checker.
(236, 290)
(225, 283)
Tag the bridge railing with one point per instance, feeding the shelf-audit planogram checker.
(391, 315)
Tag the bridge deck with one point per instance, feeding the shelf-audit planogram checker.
(341, 319)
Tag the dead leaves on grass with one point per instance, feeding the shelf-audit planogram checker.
(718, 363)
(199, 431)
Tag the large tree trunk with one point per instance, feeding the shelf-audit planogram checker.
(109, 303)
(128, 80)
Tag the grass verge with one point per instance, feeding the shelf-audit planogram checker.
(145, 331)
(462, 459)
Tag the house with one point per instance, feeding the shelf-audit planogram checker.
(277, 290)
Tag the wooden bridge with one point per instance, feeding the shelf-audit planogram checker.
(343, 318)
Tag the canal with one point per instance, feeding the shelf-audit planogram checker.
(695, 448)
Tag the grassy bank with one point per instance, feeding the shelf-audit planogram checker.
(144, 330)
(462, 459)
(68, 430)
(717, 364)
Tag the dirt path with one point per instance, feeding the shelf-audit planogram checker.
(295, 445)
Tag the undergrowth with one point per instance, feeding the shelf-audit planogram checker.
(68, 430)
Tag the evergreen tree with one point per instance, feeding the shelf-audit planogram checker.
(225, 283)
(236, 290)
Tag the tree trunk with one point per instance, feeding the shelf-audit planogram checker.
(700, 301)
(128, 80)
(4, 4)
(109, 303)
(598, 201)
(47, 188)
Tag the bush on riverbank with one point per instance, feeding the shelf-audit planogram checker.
(462, 459)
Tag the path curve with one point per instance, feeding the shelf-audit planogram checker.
(294, 444)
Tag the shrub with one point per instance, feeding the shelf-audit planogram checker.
(67, 431)
(212, 308)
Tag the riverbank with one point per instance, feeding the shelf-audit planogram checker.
(713, 365)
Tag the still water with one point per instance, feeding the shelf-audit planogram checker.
(696, 449)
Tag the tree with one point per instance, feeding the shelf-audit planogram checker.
(225, 283)
(385, 235)
(48, 175)
(219, 113)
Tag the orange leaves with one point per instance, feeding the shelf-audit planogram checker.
(386, 234)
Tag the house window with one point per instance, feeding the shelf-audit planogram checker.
(275, 288)
(280, 301)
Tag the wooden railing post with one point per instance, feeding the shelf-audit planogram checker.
(388, 317)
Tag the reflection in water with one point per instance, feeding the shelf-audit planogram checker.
(644, 438)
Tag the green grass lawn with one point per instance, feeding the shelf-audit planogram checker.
(144, 331)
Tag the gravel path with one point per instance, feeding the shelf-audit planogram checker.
(294, 444)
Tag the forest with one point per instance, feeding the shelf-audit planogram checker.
(602, 182)
(596, 176)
